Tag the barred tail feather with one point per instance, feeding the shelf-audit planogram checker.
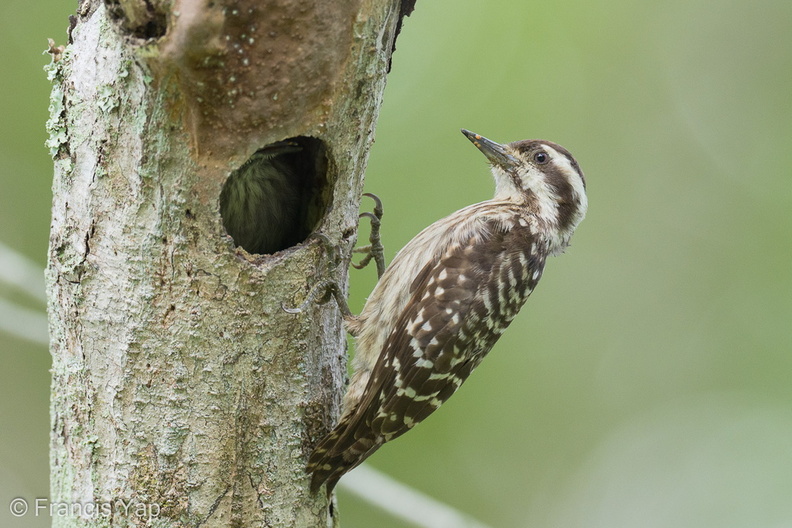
(340, 452)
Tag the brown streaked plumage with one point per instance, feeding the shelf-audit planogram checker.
(447, 297)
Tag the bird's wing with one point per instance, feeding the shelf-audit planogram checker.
(459, 305)
(454, 317)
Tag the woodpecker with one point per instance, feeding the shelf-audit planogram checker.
(262, 202)
(447, 297)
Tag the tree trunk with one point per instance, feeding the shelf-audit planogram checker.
(182, 393)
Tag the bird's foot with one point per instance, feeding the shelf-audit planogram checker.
(374, 250)
(320, 294)
(325, 289)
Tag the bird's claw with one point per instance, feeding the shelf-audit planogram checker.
(325, 289)
(373, 251)
(377, 204)
(320, 294)
(322, 291)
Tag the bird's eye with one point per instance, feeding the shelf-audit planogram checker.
(541, 157)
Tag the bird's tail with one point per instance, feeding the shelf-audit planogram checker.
(342, 450)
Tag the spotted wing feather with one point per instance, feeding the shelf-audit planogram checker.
(460, 304)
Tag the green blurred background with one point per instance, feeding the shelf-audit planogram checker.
(647, 381)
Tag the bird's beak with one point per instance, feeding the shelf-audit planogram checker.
(495, 152)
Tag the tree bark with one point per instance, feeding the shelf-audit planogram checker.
(182, 393)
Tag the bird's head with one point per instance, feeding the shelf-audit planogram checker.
(540, 174)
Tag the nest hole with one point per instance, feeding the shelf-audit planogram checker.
(277, 197)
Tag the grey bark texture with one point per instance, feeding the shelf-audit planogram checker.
(182, 394)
